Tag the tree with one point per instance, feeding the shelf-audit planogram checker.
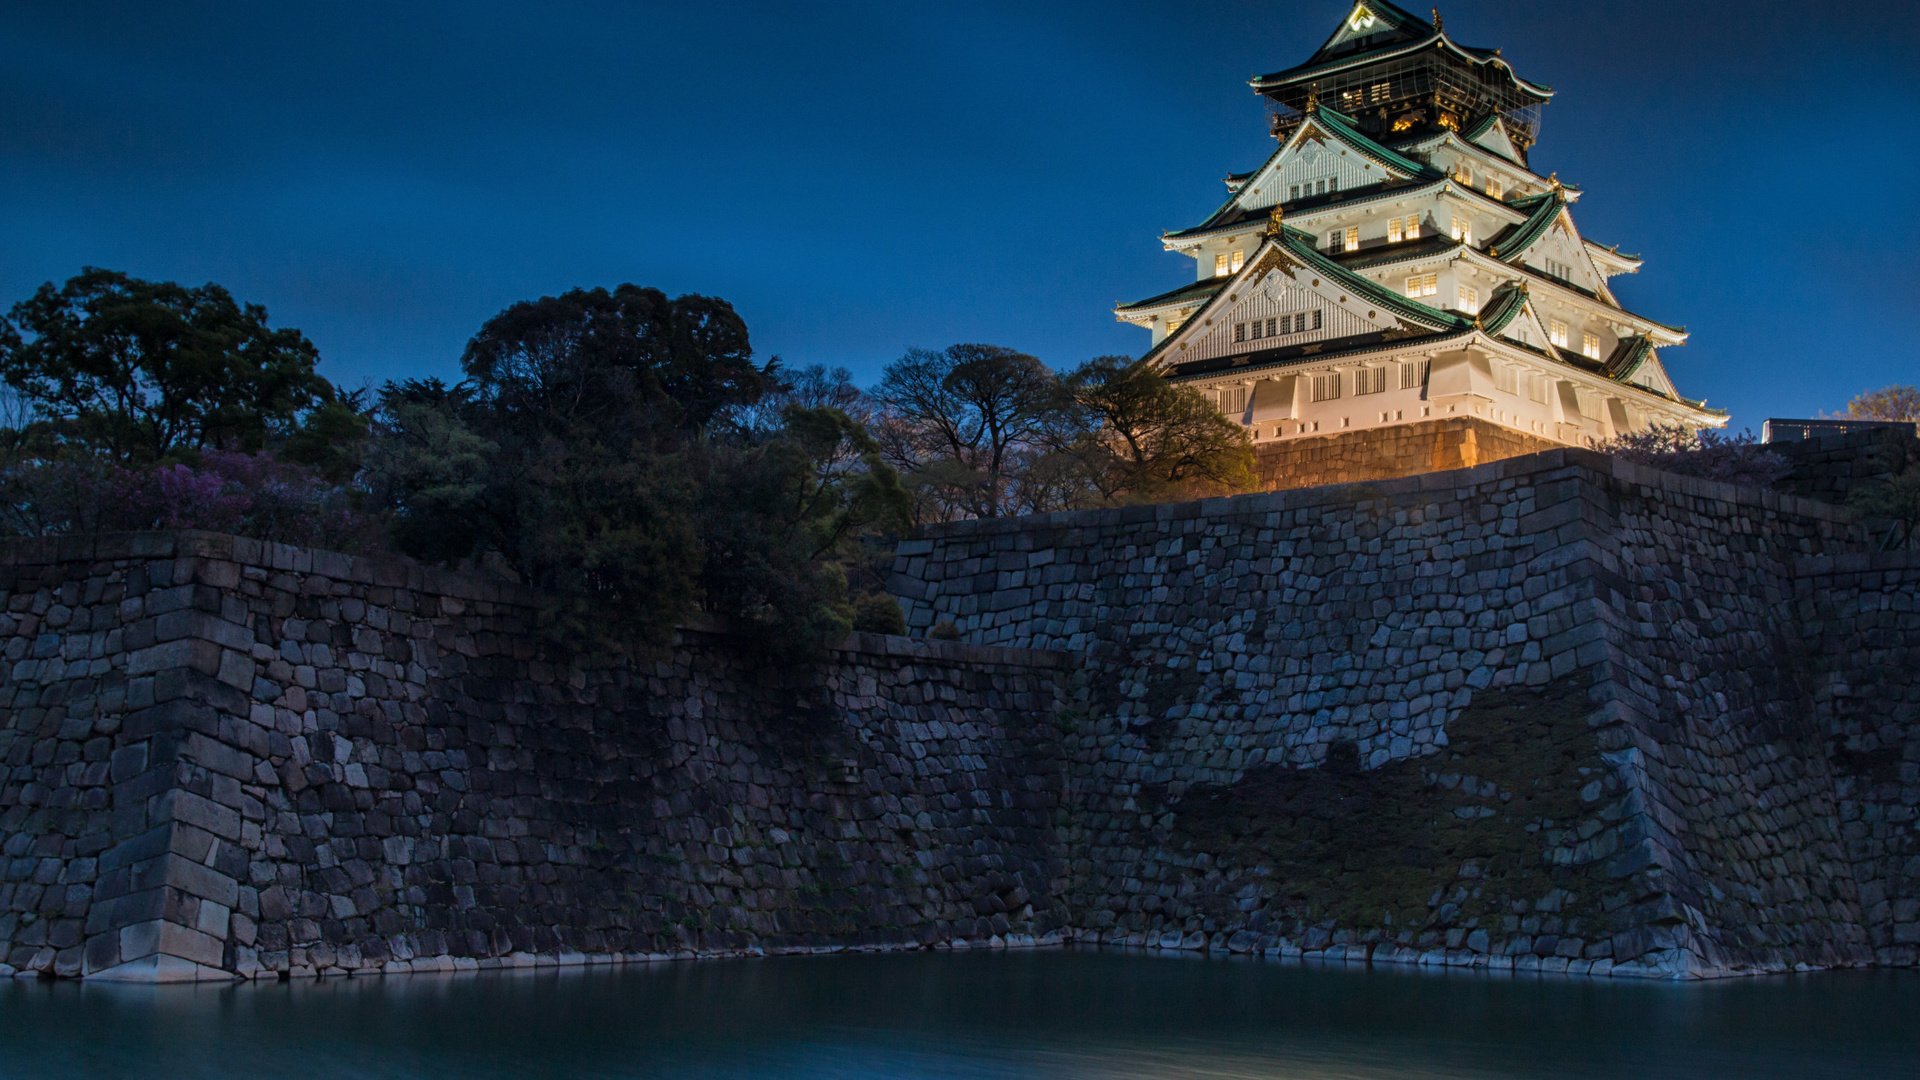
(1897, 403)
(815, 387)
(142, 370)
(569, 455)
(629, 363)
(332, 438)
(623, 454)
(963, 424)
(780, 514)
(430, 469)
(1150, 440)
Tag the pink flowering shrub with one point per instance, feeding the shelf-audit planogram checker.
(1709, 455)
(223, 491)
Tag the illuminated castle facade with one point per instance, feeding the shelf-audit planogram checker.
(1398, 262)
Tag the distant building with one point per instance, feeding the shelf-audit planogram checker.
(1396, 289)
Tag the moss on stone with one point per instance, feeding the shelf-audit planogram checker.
(1450, 839)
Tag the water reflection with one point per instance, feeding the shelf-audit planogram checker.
(1052, 1015)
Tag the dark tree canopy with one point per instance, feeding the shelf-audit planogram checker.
(143, 370)
(963, 424)
(780, 514)
(624, 454)
(619, 451)
(621, 364)
(1150, 439)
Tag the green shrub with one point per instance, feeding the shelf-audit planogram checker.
(878, 613)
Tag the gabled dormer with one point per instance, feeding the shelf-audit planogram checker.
(1549, 244)
(1636, 363)
(1372, 24)
(1491, 135)
(1291, 295)
(1510, 314)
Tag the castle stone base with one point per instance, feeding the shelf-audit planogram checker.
(1390, 453)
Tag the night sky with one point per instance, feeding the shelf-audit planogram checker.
(861, 178)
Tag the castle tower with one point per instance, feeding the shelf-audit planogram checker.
(1397, 289)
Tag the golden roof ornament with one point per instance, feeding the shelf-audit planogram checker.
(1276, 221)
(1555, 181)
(1313, 97)
(1436, 20)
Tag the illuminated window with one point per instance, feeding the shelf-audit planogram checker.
(1463, 174)
(1326, 387)
(1469, 300)
(1396, 232)
(1557, 333)
(1239, 260)
(1220, 265)
(1590, 346)
(1495, 189)
(1423, 285)
(1413, 374)
(1462, 229)
(1413, 226)
(1353, 239)
(1370, 381)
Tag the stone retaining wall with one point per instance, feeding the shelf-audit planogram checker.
(219, 757)
(1553, 713)
(1862, 659)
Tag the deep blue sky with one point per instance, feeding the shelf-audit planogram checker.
(859, 178)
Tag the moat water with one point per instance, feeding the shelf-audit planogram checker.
(971, 1015)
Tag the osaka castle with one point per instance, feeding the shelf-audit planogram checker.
(1398, 288)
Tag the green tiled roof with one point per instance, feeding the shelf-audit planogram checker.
(1342, 127)
(1628, 359)
(1542, 210)
(1504, 306)
(1233, 216)
(1481, 128)
(1201, 290)
(1371, 258)
(1290, 355)
(1434, 39)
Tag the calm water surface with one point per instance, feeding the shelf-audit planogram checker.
(1049, 1014)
